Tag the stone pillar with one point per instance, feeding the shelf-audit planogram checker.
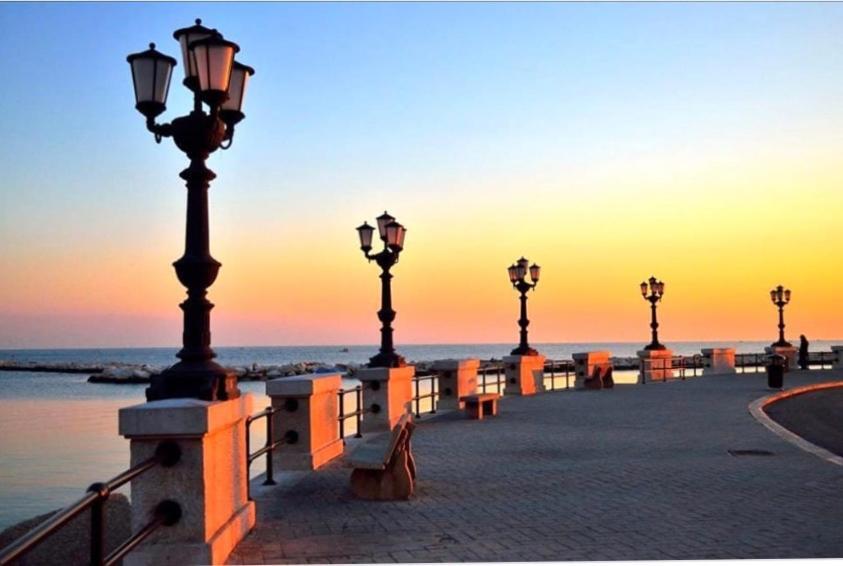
(524, 374)
(584, 363)
(656, 365)
(718, 360)
(387, 394)
(309, 412)
(789, 352)
(457, 378)
(209, 482)
(838, 357)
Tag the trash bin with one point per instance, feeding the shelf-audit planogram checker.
(775, 371)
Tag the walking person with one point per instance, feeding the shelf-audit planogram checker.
(803, 352)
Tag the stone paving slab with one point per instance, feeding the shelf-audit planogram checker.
(641, 472)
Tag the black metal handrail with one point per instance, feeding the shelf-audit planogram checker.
(822, 358)
(166, 513)
(433, 395)
(356, 414)
(679, 363)
(758, 360)
(290, 437)
(500, 377)
(558, 366)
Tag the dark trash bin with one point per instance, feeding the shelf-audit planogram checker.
(775, 371)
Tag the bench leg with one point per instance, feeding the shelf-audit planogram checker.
(474, 410)
(394, 482)
(490, 407)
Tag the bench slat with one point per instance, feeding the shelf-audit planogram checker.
(375, 451)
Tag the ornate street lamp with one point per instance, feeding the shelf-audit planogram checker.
(517, 276)
(656, 289)
(780, 297)
(391, 234)
(219, 82)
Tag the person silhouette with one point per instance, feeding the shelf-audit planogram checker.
(803, 352)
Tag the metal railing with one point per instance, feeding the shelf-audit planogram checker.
(495, 369)
(166, 513)
(755, 361)
(357, 414)
(290, 437)
(669, 367)
(558, 368)
(822, 359)
(433, 394)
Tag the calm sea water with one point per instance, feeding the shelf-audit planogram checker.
(58, 433)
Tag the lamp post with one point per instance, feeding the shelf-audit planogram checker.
(518, 277)
(656, 289)
(218, 82)
(391, 234)
(780, 297)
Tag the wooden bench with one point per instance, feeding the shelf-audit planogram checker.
(601, 378)
(481, 404)
(383, 464)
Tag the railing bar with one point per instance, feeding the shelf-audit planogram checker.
(48, 527)
(133, 541)
(130, 474)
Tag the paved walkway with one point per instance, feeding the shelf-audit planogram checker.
(638, 472)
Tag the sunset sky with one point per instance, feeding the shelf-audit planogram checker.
(701, 143)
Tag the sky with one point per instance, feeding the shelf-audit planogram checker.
(607, 142)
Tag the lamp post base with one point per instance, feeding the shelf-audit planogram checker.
(523, 351)
(383, 360)
(655, 346)
(206, 380)
(781, 344)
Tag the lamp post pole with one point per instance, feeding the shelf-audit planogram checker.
(656, 291)
(392, 235)
(219, 82)
(780, 297)
(518, 278)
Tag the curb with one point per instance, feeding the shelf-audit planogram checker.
(756, 409)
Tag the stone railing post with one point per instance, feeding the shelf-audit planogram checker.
(524, 374)
(656, 365)
(209, 482)
(789, 352)
(387, 394)
(838, 357)
(308, 418)
(457, 378)
(584, 363)
(718, 360)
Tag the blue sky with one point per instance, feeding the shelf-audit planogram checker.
(428, 107)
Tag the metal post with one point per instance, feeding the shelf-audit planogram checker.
(433, 385)
(499, 379)
(270, 480)
(97, 525)
(359, 398)
(342, 413)
(418, 401)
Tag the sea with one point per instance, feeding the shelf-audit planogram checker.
(58, 433)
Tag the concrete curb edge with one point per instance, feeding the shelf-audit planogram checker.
(756, 409)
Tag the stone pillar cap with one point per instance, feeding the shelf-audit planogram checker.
(304, 385)
(384, 374)
(517, 359)
(655, 353)
(182, 417)
(598, 353)
(452, 364)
